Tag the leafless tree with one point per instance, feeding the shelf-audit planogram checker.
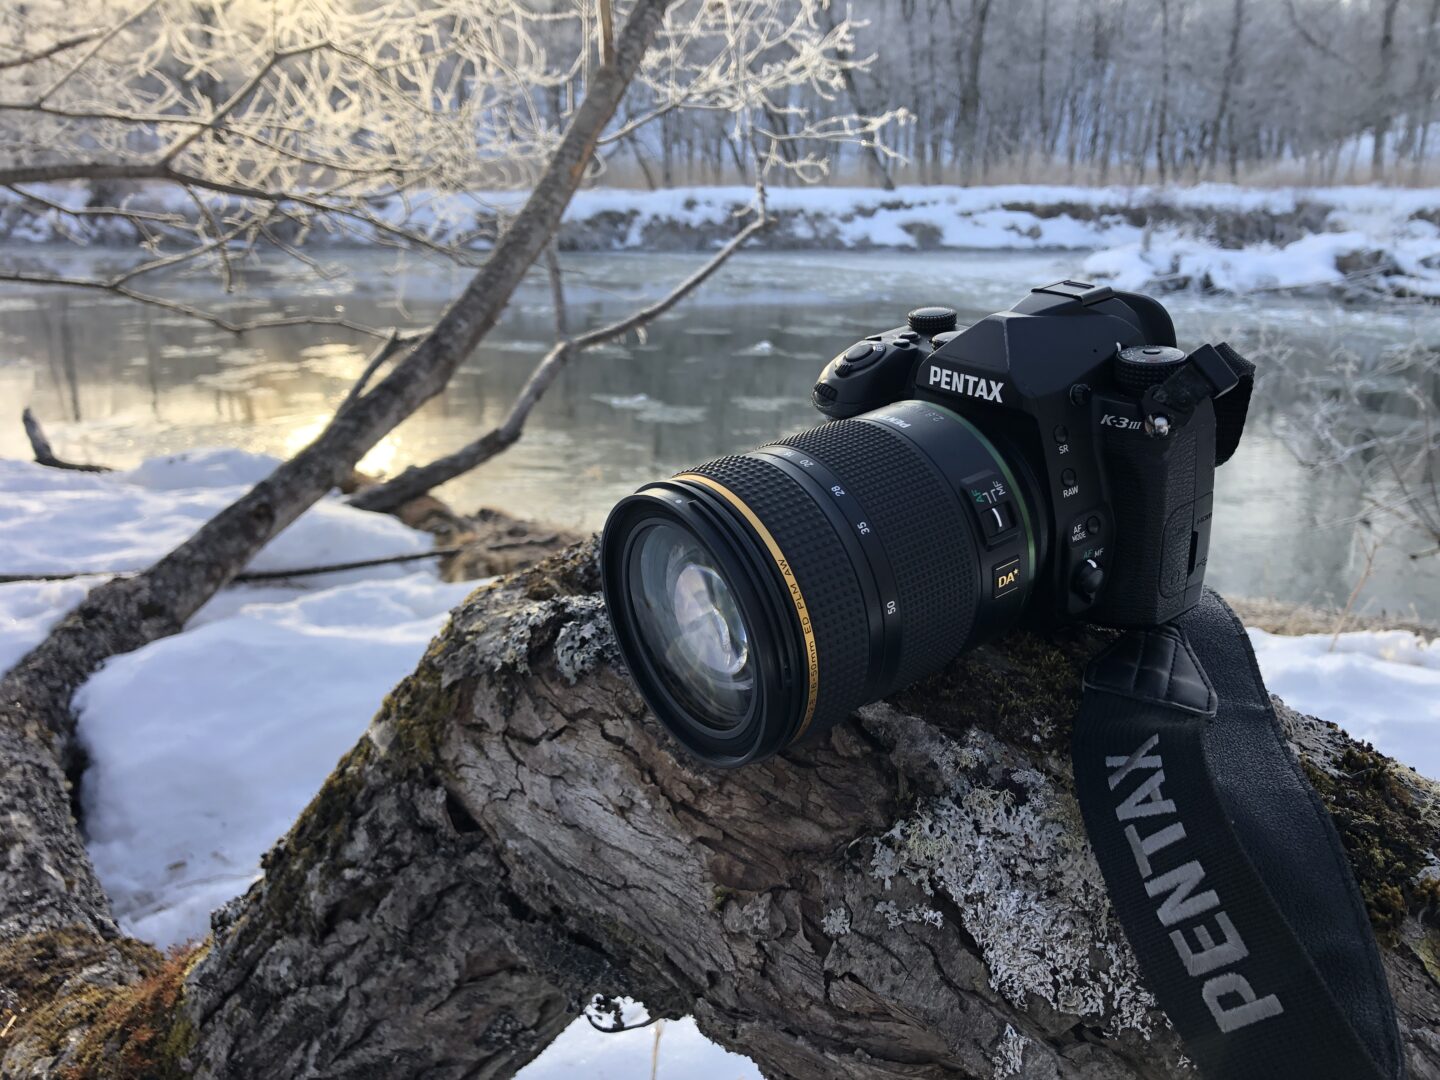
(268, 129)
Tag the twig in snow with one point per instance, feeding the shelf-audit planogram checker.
(44, 455)
(254, 575)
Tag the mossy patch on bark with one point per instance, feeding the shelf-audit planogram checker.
(1023, 688)
(1388, 836)
(97, 1029)
(572, 572)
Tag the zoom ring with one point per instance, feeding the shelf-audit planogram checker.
(927, 544)
(919, 521)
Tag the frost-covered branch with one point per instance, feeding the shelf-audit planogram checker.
(401, 124)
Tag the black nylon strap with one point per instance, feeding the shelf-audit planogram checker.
(1225, 870)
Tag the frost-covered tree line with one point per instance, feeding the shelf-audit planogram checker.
(212, 125)
(1128, 90)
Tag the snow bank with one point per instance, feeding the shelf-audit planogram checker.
(1380, 686)
(1401, 256)
(205, 746)
(54, 521)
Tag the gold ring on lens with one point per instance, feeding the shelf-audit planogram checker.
(812, 654)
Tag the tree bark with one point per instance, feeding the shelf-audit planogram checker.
(1384, 106)
(912, 896)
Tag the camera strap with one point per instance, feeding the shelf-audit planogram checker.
(1223, 865)
(1211, 372)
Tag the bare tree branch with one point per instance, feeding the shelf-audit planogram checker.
(389, 345)
(63, 45)
(419, 479)
(557, 292)
(249, 576)
(103, 39)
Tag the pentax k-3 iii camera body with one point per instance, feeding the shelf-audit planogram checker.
(1057, 383)
(1051, 463)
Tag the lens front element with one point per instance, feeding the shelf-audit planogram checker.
(690, 622)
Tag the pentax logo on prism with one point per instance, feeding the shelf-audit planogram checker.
(1206, 940)
(971, 385)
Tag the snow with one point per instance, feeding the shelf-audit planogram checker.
(683, 1054)
(1380, 686)
(1185, 248)
(54, 521)
(1312, 261)
(206, 745)
(194, 778)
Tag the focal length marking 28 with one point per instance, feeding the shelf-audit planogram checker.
(858, 531)
(812, 652)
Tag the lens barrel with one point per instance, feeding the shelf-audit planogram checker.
(855, 557)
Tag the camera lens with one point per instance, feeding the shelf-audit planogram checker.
(759, 598)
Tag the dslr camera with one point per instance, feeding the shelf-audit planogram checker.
(1048, 464)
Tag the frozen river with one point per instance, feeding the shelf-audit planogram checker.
(729, 369)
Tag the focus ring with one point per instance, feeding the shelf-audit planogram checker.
(919, 521)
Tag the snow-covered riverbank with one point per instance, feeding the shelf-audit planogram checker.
(1210, 236)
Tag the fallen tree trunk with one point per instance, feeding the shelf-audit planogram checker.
(911, 897)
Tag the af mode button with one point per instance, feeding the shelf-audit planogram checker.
(1005, 578)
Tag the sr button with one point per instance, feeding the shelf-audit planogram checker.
(1005, 578)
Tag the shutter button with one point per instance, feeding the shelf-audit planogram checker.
(859, 356)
